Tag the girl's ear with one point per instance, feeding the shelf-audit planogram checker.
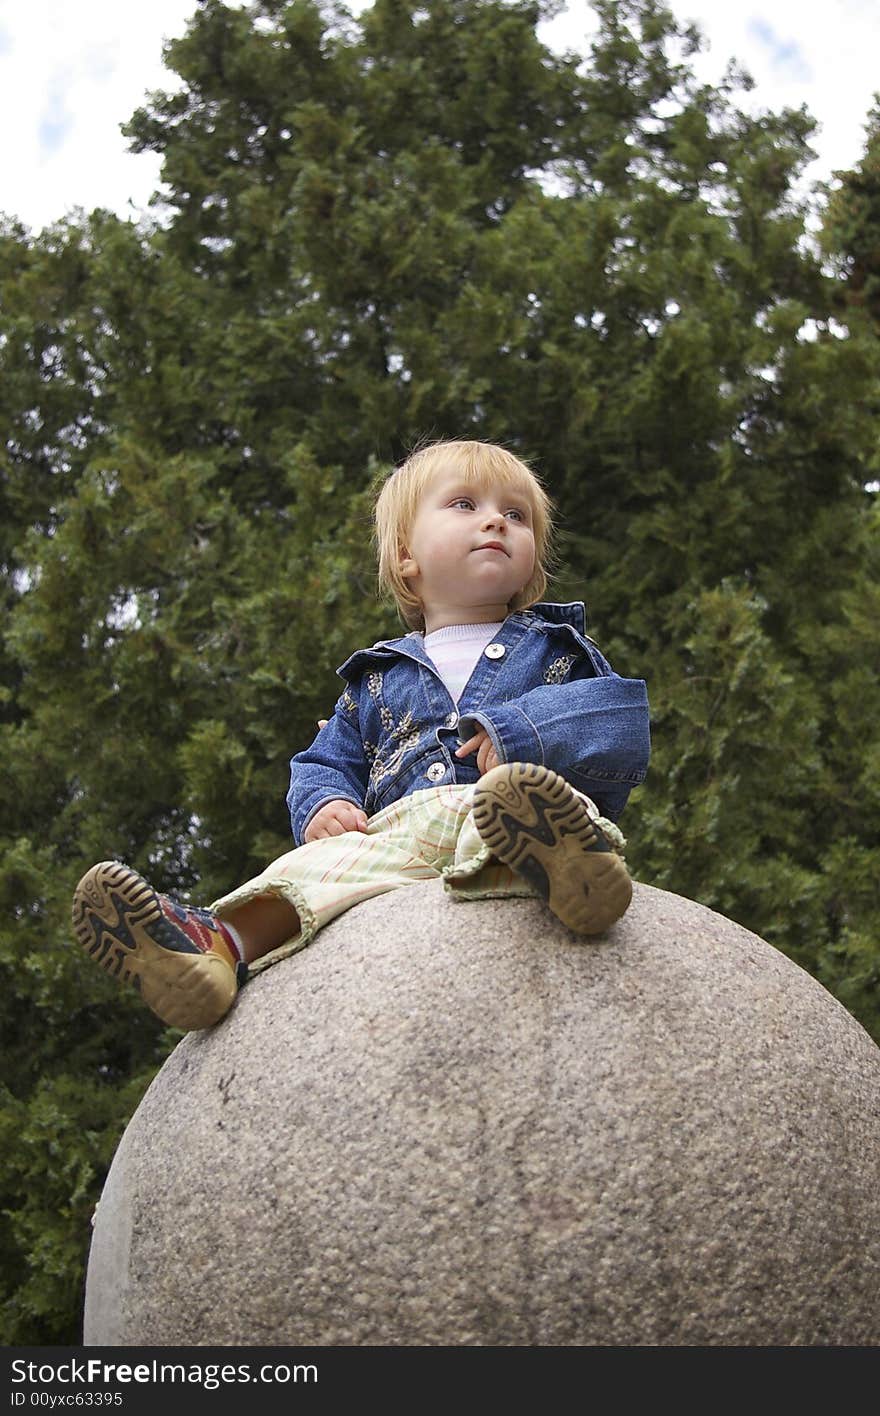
(407, 565)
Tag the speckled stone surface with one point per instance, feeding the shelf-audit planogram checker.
(456, 1124)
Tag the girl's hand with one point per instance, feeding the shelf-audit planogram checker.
(333, 819)
(481, 744)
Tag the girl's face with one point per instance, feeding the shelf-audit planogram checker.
(470, 550)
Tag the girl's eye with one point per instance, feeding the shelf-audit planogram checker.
(464, 501)
(517, 514)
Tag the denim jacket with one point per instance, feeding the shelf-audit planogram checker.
(541, 689)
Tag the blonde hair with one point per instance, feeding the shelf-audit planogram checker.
(477, 464)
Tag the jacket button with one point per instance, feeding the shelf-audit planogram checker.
(494, 651)
(451, 720)
(435, 772)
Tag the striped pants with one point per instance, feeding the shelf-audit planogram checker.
(428, 834)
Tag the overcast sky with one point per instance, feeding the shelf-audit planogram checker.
(71, 71)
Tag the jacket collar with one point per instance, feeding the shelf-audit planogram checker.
(550, 614)
(544, 615)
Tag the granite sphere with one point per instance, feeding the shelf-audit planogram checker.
(455, 1123)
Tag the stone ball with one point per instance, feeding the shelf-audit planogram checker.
(455, 1123)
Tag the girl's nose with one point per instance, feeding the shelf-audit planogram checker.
(495, 518)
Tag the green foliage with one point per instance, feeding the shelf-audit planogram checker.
(851, 220)
(58, 1147)
(419, 224)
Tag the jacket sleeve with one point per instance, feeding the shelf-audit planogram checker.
(594, 731)
(334, 768)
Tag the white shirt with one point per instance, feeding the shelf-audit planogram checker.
(455, 649)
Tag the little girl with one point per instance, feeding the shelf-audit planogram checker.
(492, 746)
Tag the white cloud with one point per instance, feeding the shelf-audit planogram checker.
(785, 55)
(56, 123)
(72, 71)
(822, 55)
(817, 53)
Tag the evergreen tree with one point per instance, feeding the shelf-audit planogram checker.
(419, 224)
(852, 220)
(850, 963)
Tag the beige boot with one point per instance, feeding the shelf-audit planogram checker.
(181, 960)
(533, 820)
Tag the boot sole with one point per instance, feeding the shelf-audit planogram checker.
(531, 819)
(118, 920)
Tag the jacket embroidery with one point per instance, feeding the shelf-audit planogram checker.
(404, 736)
(556, 672)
